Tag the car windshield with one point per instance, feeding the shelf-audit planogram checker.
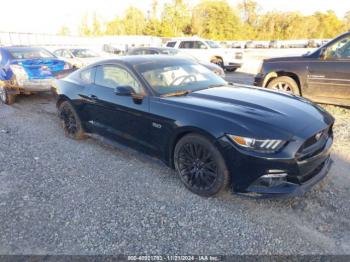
(213, 44)
(30, 53)
(170, 79)
(84, 53)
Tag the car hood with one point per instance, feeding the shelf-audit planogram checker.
(259, 111)
(285, 59)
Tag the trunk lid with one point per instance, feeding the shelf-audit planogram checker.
(41, 68)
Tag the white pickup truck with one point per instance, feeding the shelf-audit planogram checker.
(209, 51)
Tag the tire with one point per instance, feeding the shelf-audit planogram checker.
(231, 69)
(5, 97)
(200, 165)
(284, 84)
(70, 121)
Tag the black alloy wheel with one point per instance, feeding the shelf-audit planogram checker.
(200, 165)
(70, 121)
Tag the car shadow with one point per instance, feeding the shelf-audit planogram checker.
(240, 77)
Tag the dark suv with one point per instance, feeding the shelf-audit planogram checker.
(322, 76)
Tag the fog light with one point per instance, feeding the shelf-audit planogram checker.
(275, 173)
(273, 178)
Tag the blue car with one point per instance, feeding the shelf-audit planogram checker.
(26, 70)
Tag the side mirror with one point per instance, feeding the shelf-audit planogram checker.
(124, 91)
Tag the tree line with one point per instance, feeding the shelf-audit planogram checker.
(216, 19)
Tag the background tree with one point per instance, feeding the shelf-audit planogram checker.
(176, 18)
(134, 21)
(115, 27)
(84, 28)
(215, 19)
(347, 20)
(96, 26)
(64, 30)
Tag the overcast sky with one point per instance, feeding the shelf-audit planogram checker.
(48, 16)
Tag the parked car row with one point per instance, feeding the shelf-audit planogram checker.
(26, 69)
(311, 43)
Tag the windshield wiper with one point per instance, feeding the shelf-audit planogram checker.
(178, 93)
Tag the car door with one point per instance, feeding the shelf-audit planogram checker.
(328, 76)
(123, 118)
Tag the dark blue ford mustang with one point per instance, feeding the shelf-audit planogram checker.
(214, 134)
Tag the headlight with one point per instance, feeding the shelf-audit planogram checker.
(219, 72)
(259, 145)
(238, 55)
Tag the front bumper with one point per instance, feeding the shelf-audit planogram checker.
(291, 176)
(291, 189)
(259, 80)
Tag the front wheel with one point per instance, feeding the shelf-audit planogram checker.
(5, 97)
(284, 84)
(70, 121)
(231, 69)
(200, 165)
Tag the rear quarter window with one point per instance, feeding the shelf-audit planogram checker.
(88, 75)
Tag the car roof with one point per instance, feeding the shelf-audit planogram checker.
(143, 59)
(21, 48)
(154, 48)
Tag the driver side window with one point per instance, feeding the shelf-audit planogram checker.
(339, 50)
(112, 76)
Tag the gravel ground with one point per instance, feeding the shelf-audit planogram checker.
(60, 196)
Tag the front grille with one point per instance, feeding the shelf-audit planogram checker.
(305, 177)
(315, 144)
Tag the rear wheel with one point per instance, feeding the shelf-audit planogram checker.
(5, 97)
(70, 120)
(284, 84)
(200, 165)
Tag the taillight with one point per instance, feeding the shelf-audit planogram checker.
(66, 66)
(18, 70)
(20, 73)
